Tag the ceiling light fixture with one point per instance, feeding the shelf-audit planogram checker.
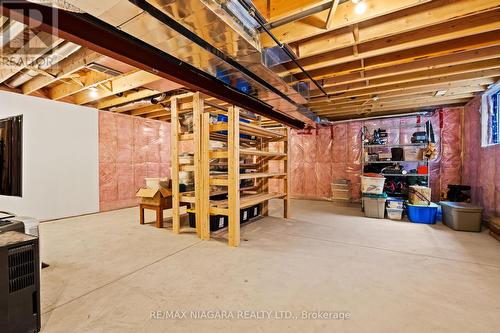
(360, 7)
(376, 98)
(93, 92)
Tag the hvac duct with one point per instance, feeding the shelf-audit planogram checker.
(44, 63)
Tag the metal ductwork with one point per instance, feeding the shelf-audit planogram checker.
(45, 62)
(217, 36)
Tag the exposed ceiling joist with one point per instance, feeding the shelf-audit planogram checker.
(468, 43)
(420, 17)
(484, 30)
(344, 16)
(75, 62)
(38, 45)
(415, 66)
(90, 79)
(116, 86)
(482, 77)
(416, 76)
(129, 96)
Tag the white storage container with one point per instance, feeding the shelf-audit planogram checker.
(156, 183)
(395, 213)
(372, 185)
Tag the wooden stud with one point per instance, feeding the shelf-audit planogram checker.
(331, 14)
(198, 174)
(205, 174)
(287, 186)
(234, 175)
(174, 137)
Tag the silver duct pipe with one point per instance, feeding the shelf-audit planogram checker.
(131, 106)
(140, 103)
(15, 28)
(159, 99)
(44, 63)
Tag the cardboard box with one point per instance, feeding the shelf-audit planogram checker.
(155, 197)
(420, 195)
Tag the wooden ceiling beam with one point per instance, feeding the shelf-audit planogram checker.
(401, 101)
(396, 112)
(344, 16)
(37, 46)
(483, 77)
(419, 17)
(394, 97)
(458, 86)
(414, 66)
(118, 85)
(65, 89)
(446, 34)
(275, 10)
(414, 76)
(468, 43)
(423, 103)
(75, 62)
(147, 109)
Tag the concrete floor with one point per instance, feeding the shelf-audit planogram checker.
(107, 274)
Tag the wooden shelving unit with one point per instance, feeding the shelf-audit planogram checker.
(241, 158)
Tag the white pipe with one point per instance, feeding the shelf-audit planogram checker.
(44, 63)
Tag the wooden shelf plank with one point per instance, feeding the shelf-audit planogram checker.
(249, 200)
(186, 137)
(248, 129)
(252, 152)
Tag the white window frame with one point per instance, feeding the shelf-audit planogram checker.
(486, 109)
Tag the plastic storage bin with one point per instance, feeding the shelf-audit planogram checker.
(374, 206)
(462, 216)
(372, 185)
(395, 213)
(422, 214)
(395, 203)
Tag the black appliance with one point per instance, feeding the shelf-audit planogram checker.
(458, 193)
(420, 137)
(397, 154)
(19, 283)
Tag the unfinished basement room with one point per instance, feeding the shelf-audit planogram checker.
(249, 166)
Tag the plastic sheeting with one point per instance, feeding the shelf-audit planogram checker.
(481, 165)
(323, 155)
(130, 149)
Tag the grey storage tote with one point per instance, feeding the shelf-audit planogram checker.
(374, 207)
(462, 216)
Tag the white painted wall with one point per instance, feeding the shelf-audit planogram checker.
(60, 158)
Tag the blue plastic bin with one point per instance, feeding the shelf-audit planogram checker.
(422, 214)
(224, 118)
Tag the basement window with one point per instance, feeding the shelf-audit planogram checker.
(490, 117)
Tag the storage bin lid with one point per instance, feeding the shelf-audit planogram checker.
(462, 206)
(432, 205)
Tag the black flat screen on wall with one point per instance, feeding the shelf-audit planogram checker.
(11, 143)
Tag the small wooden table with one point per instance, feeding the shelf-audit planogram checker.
(159, 204)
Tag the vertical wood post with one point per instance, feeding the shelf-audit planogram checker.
(234, 175)
(174, 139)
